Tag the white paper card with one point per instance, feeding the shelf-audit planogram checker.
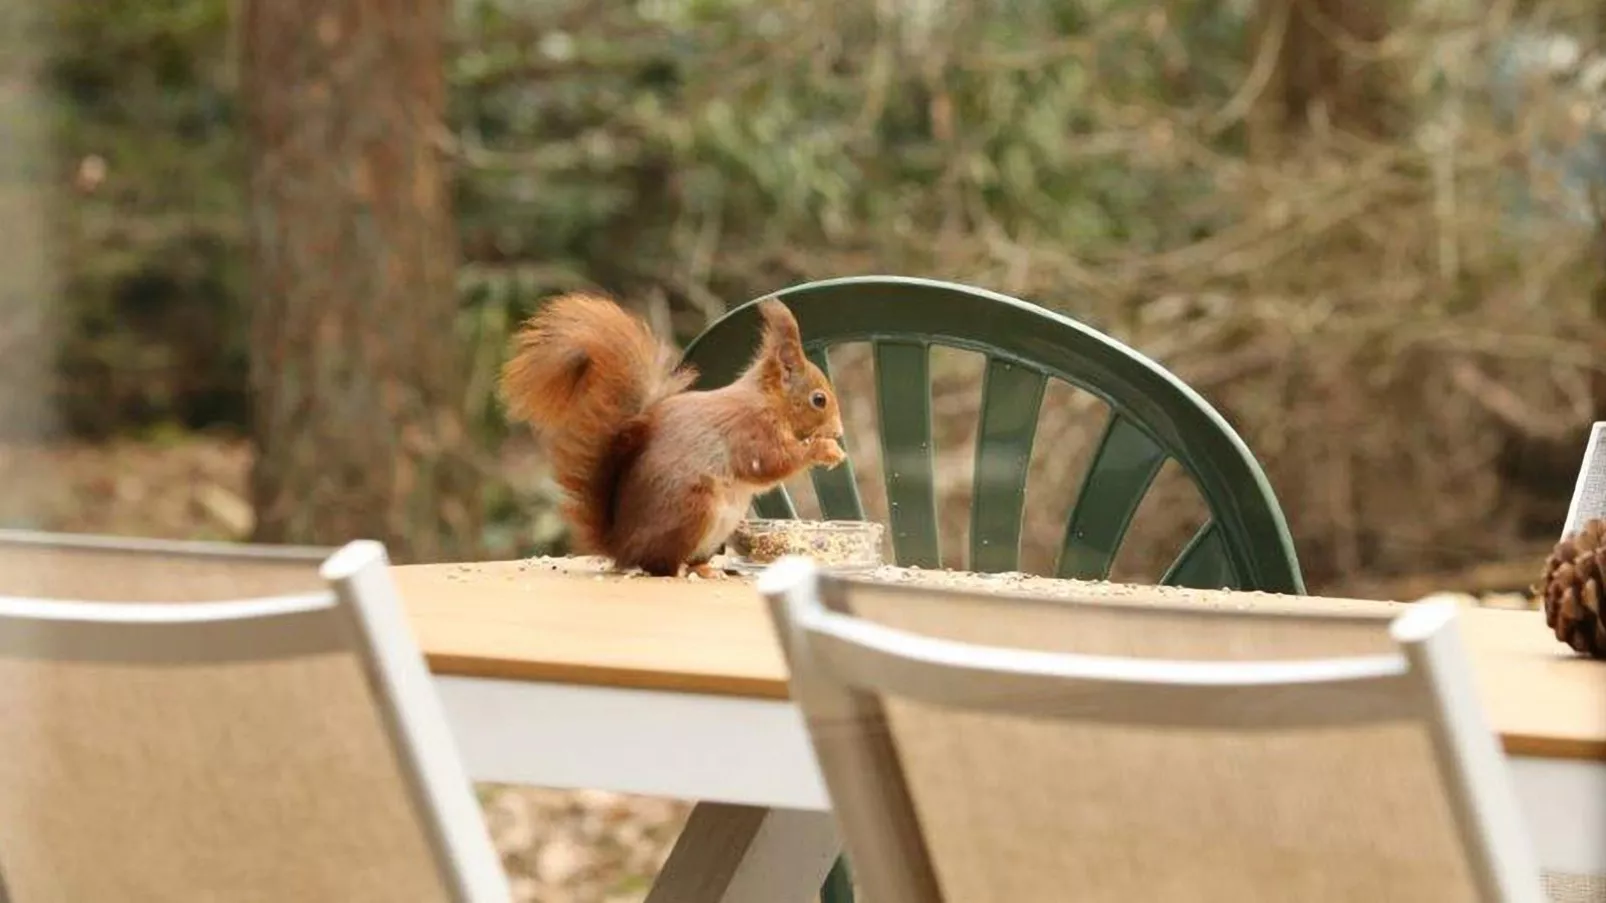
(1589, 493)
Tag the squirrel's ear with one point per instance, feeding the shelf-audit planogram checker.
(783, 342)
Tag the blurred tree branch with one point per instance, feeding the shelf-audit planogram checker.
(1325, 75)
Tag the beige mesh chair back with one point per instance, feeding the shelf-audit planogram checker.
(989, 749)
(187, 721)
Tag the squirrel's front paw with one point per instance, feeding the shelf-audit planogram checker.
(826, 451)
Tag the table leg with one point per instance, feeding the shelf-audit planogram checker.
(748, 854)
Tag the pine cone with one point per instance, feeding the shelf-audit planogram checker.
(1572, 586)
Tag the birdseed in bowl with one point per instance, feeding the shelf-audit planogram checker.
(838, 545)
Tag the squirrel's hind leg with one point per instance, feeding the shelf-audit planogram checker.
(667, 525)
(659, 566)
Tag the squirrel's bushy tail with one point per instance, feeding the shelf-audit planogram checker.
(582, 372)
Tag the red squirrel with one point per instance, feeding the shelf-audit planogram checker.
(656, 476)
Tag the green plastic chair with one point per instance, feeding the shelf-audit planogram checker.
(1245, 544)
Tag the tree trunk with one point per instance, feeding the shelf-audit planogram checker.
(356, 376)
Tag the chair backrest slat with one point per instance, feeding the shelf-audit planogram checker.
(775, 505)
(836, 488)
(1011, 400)
(903, 389)
(118, 569)
(1203, 563)
(1124, 465)
(137, 633)
(1108, 690)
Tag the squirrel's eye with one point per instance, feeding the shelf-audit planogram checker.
(818, 399)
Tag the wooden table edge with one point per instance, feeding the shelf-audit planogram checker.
(722, 685)
(768, 689)
(1538, 747)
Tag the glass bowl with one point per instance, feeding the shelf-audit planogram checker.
(836, 545)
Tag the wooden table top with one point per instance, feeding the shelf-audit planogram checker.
(567, 621)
